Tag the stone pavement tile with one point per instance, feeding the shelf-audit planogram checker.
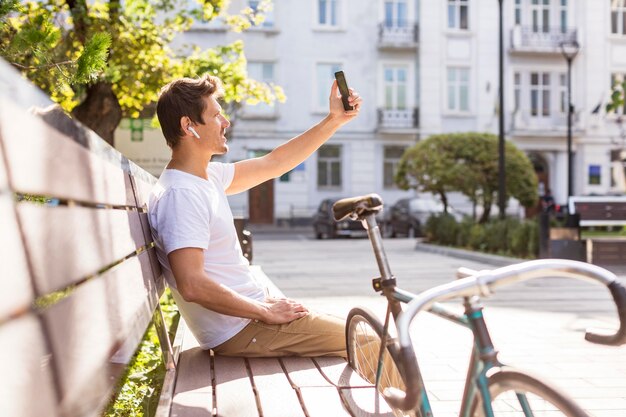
(607, 382)
(603, 404)
(607, 413)
(596, 392)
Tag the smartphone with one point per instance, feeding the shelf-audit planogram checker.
(343, 89)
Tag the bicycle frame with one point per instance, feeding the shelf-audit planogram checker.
(483, 356)
(482, 359)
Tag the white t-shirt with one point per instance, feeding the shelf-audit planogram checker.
(186, 211)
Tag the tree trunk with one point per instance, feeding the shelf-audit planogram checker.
(100, 110)
(487, 201)
(444, 201)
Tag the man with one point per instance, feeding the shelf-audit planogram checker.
(196, 242)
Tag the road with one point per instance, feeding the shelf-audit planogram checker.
(538, 325)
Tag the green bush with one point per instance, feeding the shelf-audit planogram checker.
(442, 229)
(508, 237)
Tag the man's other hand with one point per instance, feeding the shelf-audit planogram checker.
(283, 310)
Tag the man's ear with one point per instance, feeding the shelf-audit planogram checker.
(185, 122)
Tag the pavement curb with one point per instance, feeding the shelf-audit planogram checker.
(496, 260)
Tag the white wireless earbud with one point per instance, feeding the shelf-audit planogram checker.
(193, 131)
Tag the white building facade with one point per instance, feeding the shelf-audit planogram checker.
(422, 67)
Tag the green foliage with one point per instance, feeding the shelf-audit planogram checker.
(505, 237)
(617, 100)
(139, 389)
(93, 58)
(468, 163)
(443, 228)
(63, 46)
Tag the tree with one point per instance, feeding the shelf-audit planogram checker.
(105, 59)
(468, 163)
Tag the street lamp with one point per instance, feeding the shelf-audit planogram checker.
(569, 49)
(501, 147)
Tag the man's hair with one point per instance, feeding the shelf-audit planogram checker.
(184, 97)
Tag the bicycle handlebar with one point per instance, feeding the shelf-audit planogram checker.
(483, 283)
(619, 296)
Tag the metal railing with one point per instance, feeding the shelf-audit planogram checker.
(540, 37)
(398, 35)
(398, 119)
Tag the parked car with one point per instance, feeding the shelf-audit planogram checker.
(408, 216)
(325, 226)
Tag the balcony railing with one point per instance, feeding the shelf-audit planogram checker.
(398, 36)
(556, 123)
(398, 119)
(540, 39)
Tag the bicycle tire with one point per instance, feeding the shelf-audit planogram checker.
(363, 337)
(507, 383)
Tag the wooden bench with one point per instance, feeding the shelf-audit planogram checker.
(602, 211)
(81, 284)
(599, 210)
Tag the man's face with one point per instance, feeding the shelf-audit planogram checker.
(212, 132)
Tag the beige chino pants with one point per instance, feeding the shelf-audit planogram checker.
(315, 334)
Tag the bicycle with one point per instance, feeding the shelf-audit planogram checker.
(492, 389)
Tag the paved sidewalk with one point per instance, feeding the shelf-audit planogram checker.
(537, 326)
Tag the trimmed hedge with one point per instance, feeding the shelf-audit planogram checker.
(510, 237)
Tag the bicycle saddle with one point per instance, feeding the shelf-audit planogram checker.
(357, 207)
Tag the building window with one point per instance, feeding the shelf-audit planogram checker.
(458, 89)
(539, 94)
(395, 88)
(563, 16)
(391, 160)
(329, 166)
(396, 13)
(563, 104)
(458, 14)
(263, 72)
(618, 83)
(328, 13)
(325, 78)
(517, 92)
(540, 12)
(518, 12)
(618, 17)
(269, 14)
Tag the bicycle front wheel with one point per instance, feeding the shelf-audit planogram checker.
(516, 394)
(364, 333)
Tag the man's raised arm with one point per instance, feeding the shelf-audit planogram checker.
(251, 172)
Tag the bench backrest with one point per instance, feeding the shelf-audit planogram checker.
(80, 280)
(599, 210)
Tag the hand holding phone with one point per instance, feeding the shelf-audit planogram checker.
(343, 89)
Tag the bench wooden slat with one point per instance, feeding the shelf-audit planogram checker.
(234, 394)
(365, 402)
(88, 328)
(17, 292)
(26, 386)
(339, 372)
(143, 186)
(319, 401)
(55, 235)
(193, 396)
(278, 398)
(43, 160)
(154, 261)
(303, 373)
